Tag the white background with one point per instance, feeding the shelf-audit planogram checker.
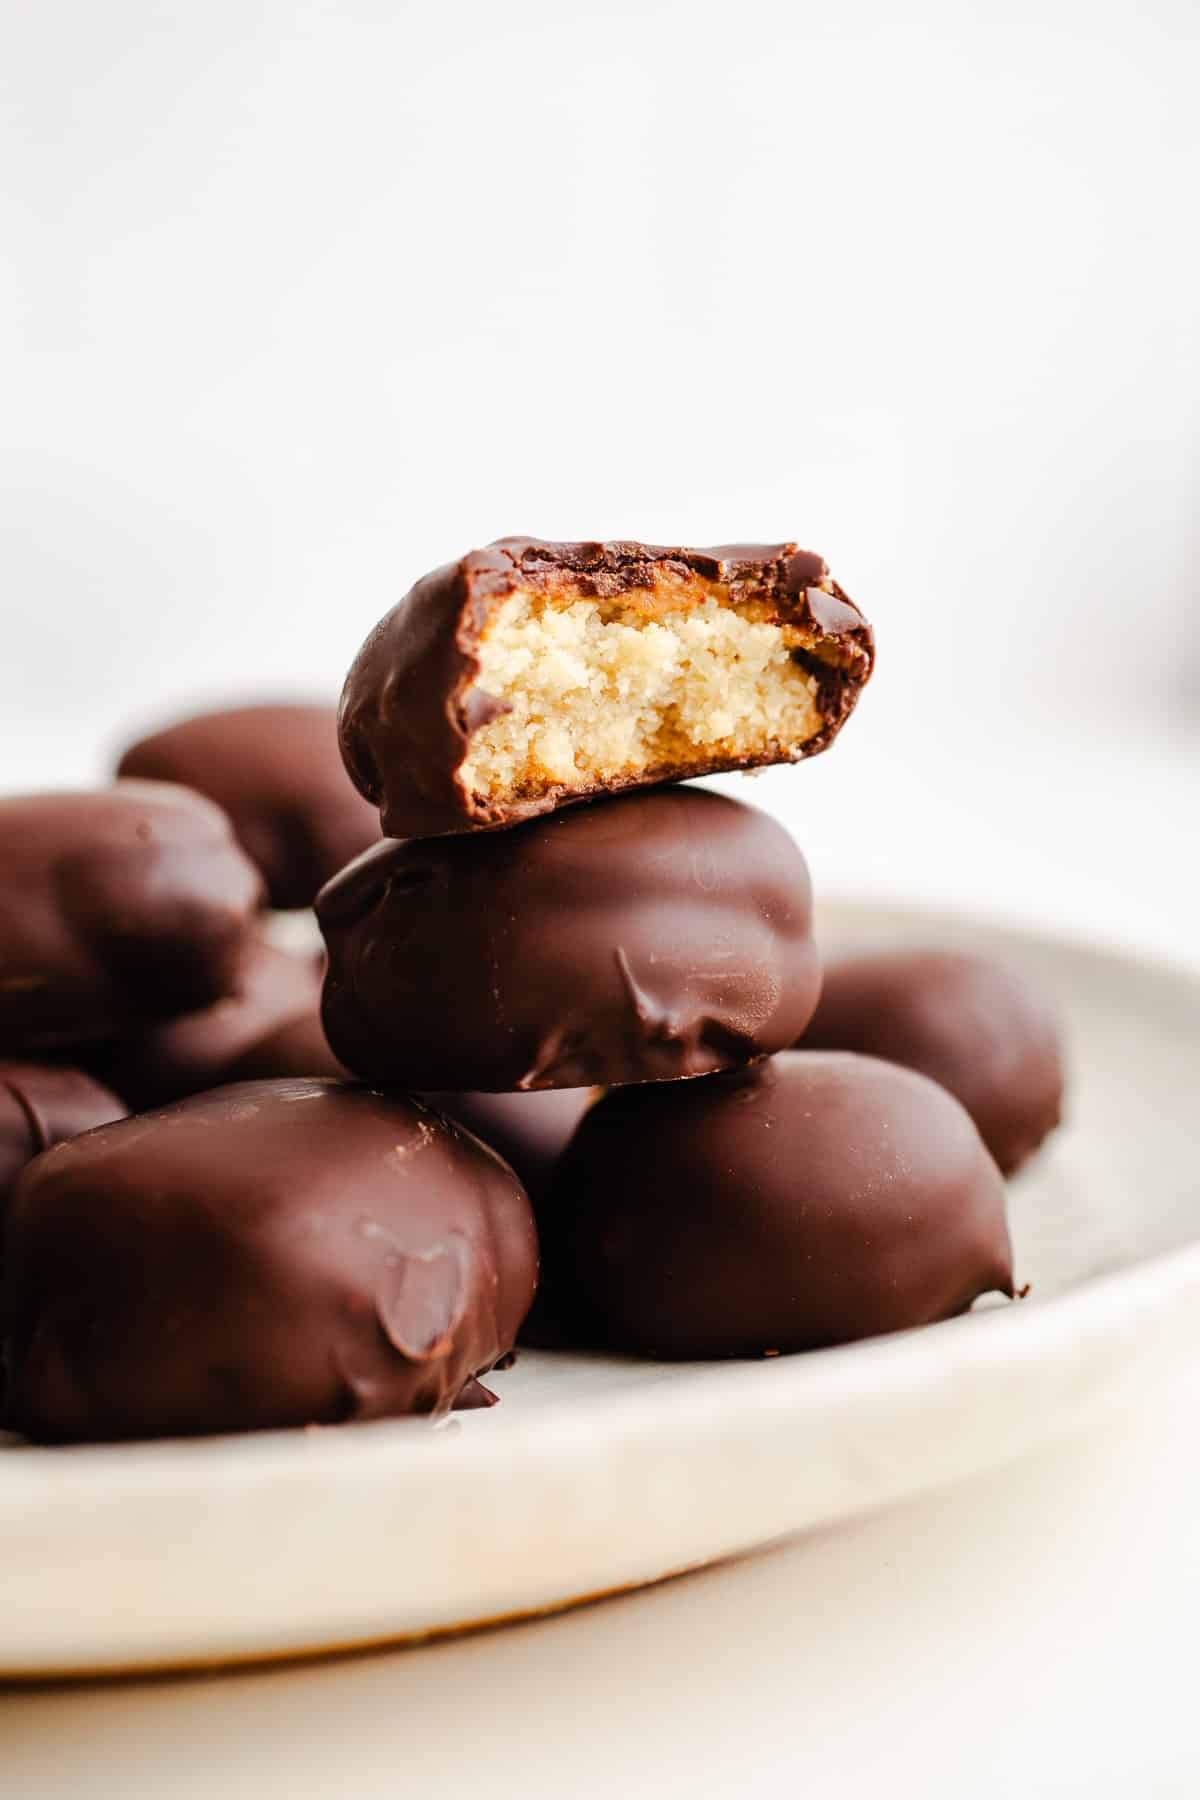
(303, 298)
(300, 299)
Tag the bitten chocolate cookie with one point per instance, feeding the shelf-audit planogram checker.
(967, 1022)
(530, 674)
(117, 907)
(809, 1200)
(642, 938)
(277, 772)
(272, 1254)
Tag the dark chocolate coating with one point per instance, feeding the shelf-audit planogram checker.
(272, 1254)
(297, 1047)
(810, 1200)
(643, 938)
(967, 1022)
(42, 1105)
(277, 772)
(271, 1027)
(406, 718)
(125, 905)
(530, 1131)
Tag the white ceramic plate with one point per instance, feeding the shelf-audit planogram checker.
(597, 1473)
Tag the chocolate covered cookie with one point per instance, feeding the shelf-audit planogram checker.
(530, 674)
(272, 1254)
(277, 772)
(642, 938)
(810, 1200)
(117, 907)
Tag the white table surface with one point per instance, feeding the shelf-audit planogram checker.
(1032, 1632)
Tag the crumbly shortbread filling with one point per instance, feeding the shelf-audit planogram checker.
(604, 690)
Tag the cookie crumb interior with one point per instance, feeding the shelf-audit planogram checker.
(636, 687)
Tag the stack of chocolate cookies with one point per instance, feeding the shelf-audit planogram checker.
(559, 1024)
